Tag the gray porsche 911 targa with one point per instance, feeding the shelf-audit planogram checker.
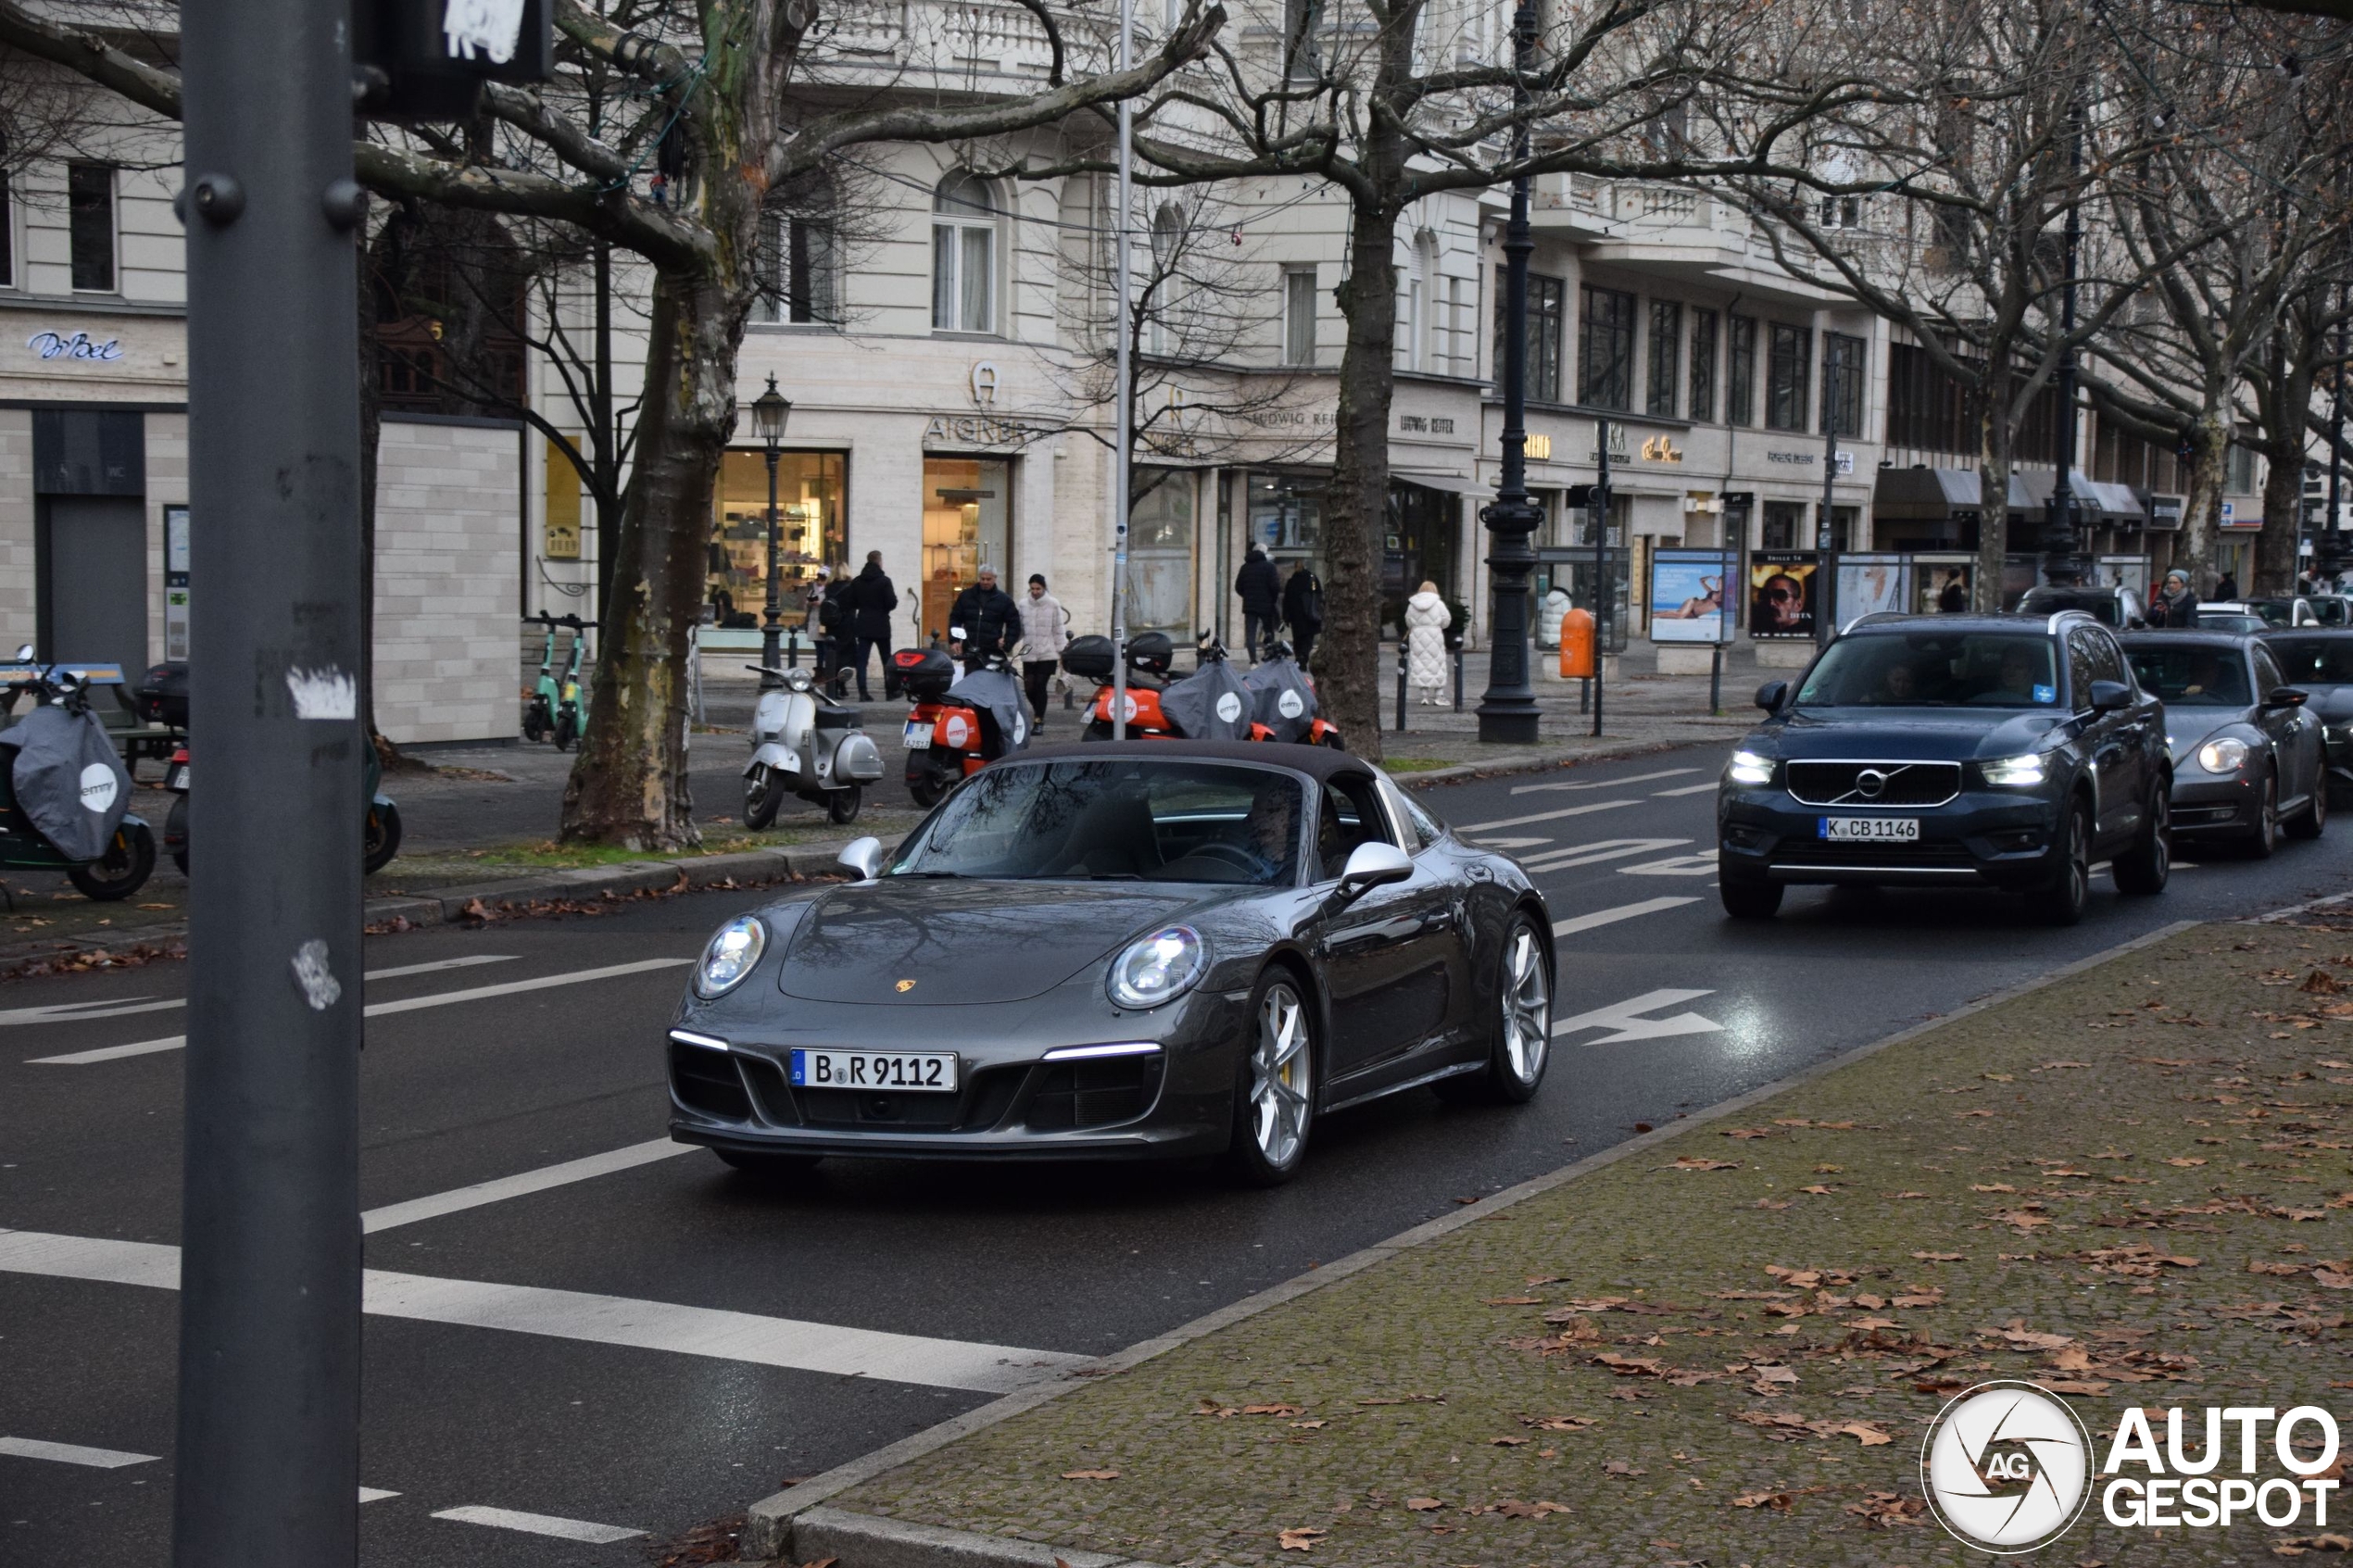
(1142, 949)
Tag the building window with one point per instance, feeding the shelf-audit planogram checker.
(799, 259)
(1547, 300)
(1844, 359)
(1842, 212)
(1299, 316)
(1454, 355)
(1741, 380)
(968, 523)
(1702, 405)
(1605, 349)
(1421, 299)
(90, 207)
(811, 532)
(2238, 471)
(1666, 358)
(1788, 370)
(963, 256)
(1165, 285)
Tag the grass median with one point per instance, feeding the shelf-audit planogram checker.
(2131, 1187)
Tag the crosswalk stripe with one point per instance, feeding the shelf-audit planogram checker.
(1687, 789)
(75, 1013)
(1546, 816)
(603, 1320)
(1609, 784)
(539, 1524)
(521, 1184)
(72, 1453)
(377, 1010)
(1611, 917)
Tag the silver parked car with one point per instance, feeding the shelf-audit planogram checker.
(2247, 757)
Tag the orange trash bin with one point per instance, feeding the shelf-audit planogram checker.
(1577, 644)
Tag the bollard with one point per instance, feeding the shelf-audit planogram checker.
(1400, 685)
(1716, 681)
(1458, 677)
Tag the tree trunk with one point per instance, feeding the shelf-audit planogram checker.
(2283, 398)
(628, 783)
(1348, 655)
(1993, 500)
(2275, 547)
(2195, 552)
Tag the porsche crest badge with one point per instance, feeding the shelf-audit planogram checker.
(905, 985)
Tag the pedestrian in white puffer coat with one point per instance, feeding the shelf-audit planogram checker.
(1426, 618)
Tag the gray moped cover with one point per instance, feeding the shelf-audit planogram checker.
(1210, 704)
(1281, 700)
(999, 695)
(68, 781)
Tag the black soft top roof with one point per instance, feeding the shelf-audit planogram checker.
(1318, 762)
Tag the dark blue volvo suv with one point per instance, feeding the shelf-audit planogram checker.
(2006, 751)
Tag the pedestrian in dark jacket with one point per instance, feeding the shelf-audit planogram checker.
(2175, 607)
(872, 599)
(2226, 588)
(1262, 595)
(990, 620)
(1303, 609)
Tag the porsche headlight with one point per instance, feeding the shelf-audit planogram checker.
(730, 955)
(1748, 767)
(1158, 968)
(2224, 756)
(2015, 772)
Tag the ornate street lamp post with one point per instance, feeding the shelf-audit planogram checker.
(769, 412)
(1507, 712)
(2062, 544)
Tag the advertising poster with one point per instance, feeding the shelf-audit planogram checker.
(1687, 598)
(1781, 593)
(1940, 587)
(1867, 584)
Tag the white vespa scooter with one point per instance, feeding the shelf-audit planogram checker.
(806, 744)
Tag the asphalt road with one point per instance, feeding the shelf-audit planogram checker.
(644, 1340)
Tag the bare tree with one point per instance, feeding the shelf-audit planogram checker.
(716, 108)
(1397, 102)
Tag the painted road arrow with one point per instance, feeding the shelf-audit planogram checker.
(1625, 1020)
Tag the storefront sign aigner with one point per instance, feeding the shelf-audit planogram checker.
(74, 345)
(976, 430)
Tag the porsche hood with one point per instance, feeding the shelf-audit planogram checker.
(919, 942)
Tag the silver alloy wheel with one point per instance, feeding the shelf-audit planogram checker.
(1279, 1082)
(1528, 1006)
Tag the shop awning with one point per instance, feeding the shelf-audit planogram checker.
(1455, 484)
(1923, 494)
(2031, 492)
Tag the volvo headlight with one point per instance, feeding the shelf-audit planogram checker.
(1161, 968)
(2015, 772)
(2224, 756)
(1748, 767)
(730, 955)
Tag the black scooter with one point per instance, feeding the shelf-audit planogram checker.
(129, 858)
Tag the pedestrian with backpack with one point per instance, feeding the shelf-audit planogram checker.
(1303, 609)
(872, 599)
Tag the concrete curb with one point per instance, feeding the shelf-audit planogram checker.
(773, 1527)
(1535, 762)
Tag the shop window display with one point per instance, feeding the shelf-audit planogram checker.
(811, 526)
(967, 525)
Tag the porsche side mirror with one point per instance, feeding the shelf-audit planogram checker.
(2287, 697)
(1373, 865)
(863, 856)
(1769, 696)
(24, 654)
(2110, 696)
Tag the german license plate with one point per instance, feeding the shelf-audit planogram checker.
(918, 737)
(1870, 830)
(177, 779)
(914, 1071)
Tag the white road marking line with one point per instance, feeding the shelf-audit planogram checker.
(1546, 816)
(1622, 1018)
(599, 1320)
(1609, 784)
(1674, 865)
(374, 1494)
(521, 1184)
(1687, 789)
(375, 1009)
(1600, 849)
(72, 1453)
(539, 1524)
(1509, 843)
(73, 1012)
(1611, 917)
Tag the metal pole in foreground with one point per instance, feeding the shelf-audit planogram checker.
(269, 1396)
(1123, 424)
(2329, 553)
(768, 634)
(2062, 561)
(1507, 712)
(1825, 558)
(1605, 591)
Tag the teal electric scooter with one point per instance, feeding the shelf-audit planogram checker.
(539, 706)
(571, 716)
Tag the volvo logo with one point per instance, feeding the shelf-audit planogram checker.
(1871, 783)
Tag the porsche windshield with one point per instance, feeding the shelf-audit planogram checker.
(2193, 677)
(1931, 669)
(1119, 819)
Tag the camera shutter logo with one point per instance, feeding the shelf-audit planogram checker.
(2007, 1467)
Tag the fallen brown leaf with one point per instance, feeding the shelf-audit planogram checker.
(1300, 1538)
(1780, 1501)
(1090, 1475)
(1423, 1505)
